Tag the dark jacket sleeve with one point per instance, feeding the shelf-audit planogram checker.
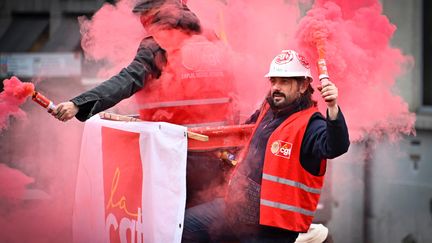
(324, 139)
(147, 64)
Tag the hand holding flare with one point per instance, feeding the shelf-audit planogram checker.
(15, 94)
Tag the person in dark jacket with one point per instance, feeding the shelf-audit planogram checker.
(197, 88)
(157, 17)
(274, 191)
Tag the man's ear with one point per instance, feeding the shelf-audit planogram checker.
(304, 86)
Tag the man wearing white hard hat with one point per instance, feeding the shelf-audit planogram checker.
(274, 192)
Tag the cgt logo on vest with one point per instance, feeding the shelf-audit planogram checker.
(281, 149)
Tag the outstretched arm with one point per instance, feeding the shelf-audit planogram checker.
(146, 65)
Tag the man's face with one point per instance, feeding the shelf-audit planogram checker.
(286, 90)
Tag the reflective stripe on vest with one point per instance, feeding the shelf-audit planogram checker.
(291, 183)
(185, 103)
(286, 207)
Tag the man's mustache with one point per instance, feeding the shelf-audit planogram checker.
(277, 93)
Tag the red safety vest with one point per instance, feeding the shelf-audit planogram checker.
(195, 88)
(289, 194)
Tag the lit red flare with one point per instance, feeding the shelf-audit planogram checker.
(43, 101)
(321, 63)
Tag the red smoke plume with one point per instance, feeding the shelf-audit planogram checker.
(356, 37)
(353, 35)
(14, 94)
(112, 35)
(12, 183)
(255, 31)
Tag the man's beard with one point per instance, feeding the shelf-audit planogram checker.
(281, 100)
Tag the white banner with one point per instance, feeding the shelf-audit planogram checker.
(131, 184)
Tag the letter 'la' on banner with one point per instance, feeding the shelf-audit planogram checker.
(131, 184)
(122, 174)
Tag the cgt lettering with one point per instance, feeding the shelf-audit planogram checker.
(281, 148)
(129, 230)
(285, 151)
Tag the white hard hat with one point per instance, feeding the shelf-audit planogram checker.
(289, 64)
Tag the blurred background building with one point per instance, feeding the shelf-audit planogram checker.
(379, 192)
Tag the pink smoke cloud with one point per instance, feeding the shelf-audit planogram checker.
(15, 94)
(113, 35)
(36, 195)
(12, 183)
(356, 37)
(361, 62)
(255, 31)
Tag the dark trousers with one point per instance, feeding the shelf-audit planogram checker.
(208, 223)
